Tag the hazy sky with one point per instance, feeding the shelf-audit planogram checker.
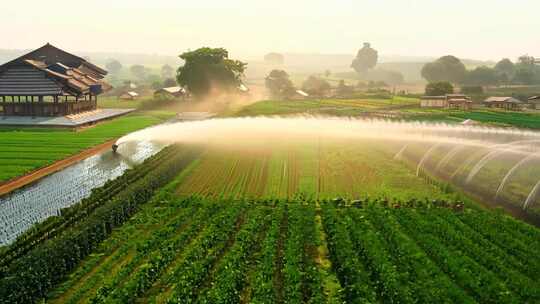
(482, 29)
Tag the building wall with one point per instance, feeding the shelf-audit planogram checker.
(433, 103)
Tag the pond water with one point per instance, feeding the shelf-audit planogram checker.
(36, 202)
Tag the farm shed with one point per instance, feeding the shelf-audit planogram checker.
(534, 102)
(50, 82)
(507, 103)
(128, 96)
(170, 92)
(433, 102)
(450, 101)
(459, 103)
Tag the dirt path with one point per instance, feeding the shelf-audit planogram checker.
(37, 174)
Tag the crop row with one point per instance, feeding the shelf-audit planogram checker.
(427, 255)
(194, 250)
(73, 214)
(29, 277)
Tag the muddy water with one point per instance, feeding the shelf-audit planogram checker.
(38, 201)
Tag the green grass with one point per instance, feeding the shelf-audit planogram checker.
(338, 107)
(27, 149)
(515, 119)
(115, 103)
(526, 120)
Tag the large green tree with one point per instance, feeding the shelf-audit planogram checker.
(439, 88)
(482, 76)
(208, 69)
(505, 70)
(526, 71)
(366, 59)
(447, 68)
(278, 84)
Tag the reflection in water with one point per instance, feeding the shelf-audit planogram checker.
(36, 202)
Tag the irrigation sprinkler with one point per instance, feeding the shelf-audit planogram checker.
(114, 148)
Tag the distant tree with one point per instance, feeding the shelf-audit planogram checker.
(366, 59)
(316, 86)
(526, 60)
(482, 76)
(505, 70)
(376, 84)
(169, 82)
(151, 78)
(156, 85)
(138, 71)
(274, 58)
(327, 73)
(439, 88)
(471, 90)
(278, 84)
(208, 69)
(393, 77)
(167, 71)
(525, 75)
(113, 66)
(343, 89)
(447, 68)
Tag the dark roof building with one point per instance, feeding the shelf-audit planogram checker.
(50, 81)
(534, 102)
(508, 103)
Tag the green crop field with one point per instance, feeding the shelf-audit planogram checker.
(529, 120)
(339, 107)
(115, 103)
(320, 219)
(237, 225)
(27, 149)
(307, 169)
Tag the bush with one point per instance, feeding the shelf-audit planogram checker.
(439, 88)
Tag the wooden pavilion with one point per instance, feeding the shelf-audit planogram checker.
(50, 82)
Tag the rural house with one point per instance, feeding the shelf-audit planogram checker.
(50, 82)
(458, 101)
(128, 95)
(534, 102)
(450, 101)
(170, 93)
(507, 103)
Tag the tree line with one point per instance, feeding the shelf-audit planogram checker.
(505, 72)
